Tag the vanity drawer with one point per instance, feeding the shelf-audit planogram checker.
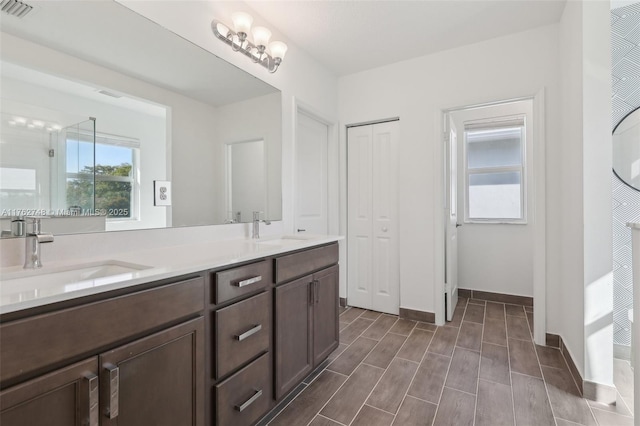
(237, 282)
(33, 344)
(242, 331)
(246, 396)
(302, 263)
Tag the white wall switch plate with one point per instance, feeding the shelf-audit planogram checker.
(161, 193)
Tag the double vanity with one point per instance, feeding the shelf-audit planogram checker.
(166, 337)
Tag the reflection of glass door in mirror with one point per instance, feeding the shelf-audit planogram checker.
(246, 177)
(626, 149)
(72, 169)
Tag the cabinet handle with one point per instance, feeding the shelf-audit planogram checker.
(249, 401)
(311, 293)
(248, 281)
(92, 395)
(114, 390)
(254, 330)
(316, 290)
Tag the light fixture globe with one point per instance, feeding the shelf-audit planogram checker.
(242, 22)
(278, 49)
(261, 36)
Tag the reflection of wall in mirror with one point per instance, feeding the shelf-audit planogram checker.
(245, 180)
(255, 119)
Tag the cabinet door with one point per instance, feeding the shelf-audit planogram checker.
(157, 380)
(325, 314)
(66, 397)
(293, 350)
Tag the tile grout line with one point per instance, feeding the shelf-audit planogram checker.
(325, 417)
(450, 361)
(624, 403)
(376, 384)
(484, 321)
(610, 412)
(513, 399)
(359, 364)
(406, 392)
(546, 388)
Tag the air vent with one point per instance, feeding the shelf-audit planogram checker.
(106, 93)
(15, 8)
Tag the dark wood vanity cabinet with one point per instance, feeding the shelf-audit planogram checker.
(218, 347)
(326, 330)
(64, 397)
(144, 361)
(306, 319)
(157, 380)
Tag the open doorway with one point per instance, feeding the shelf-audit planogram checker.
(494, 209)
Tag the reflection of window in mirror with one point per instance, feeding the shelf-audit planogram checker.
(245, 180)
(116, 187)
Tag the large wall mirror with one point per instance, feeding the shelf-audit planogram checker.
(626, 149)
(103, 111)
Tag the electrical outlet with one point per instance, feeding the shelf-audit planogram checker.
(161, 193)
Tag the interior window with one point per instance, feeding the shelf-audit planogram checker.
(495, 170)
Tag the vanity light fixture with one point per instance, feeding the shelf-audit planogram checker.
(257, 47)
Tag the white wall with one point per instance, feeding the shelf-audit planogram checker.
(417, 91)
(586, 184)
(597, 163)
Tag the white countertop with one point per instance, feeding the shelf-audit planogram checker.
(633, 225)
(159, 264)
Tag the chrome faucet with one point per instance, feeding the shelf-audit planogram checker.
(256, 225)
(32, 244)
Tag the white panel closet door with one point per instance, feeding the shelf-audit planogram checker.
(373, 269)
(312, 144)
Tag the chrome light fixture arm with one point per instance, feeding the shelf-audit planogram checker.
(239, 42)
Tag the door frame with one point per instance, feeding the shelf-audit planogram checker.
(333, 165)
(537, 187)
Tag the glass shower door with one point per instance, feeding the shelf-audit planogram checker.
(73, 168)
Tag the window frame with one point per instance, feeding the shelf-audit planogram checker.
(497, 123)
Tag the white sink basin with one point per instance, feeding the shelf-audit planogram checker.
(27, 284)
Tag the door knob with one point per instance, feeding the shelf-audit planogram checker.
(301, 230)
(384, 229)
(458, 225)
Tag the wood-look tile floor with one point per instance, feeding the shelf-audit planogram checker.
(480, 369)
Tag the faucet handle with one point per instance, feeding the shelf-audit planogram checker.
(35, 223)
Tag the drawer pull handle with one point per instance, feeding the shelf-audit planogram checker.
(92, 399)
(254, 330)
(114, 390)
(248, 281)
(249, 401)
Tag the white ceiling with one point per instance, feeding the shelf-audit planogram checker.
(349, 36)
